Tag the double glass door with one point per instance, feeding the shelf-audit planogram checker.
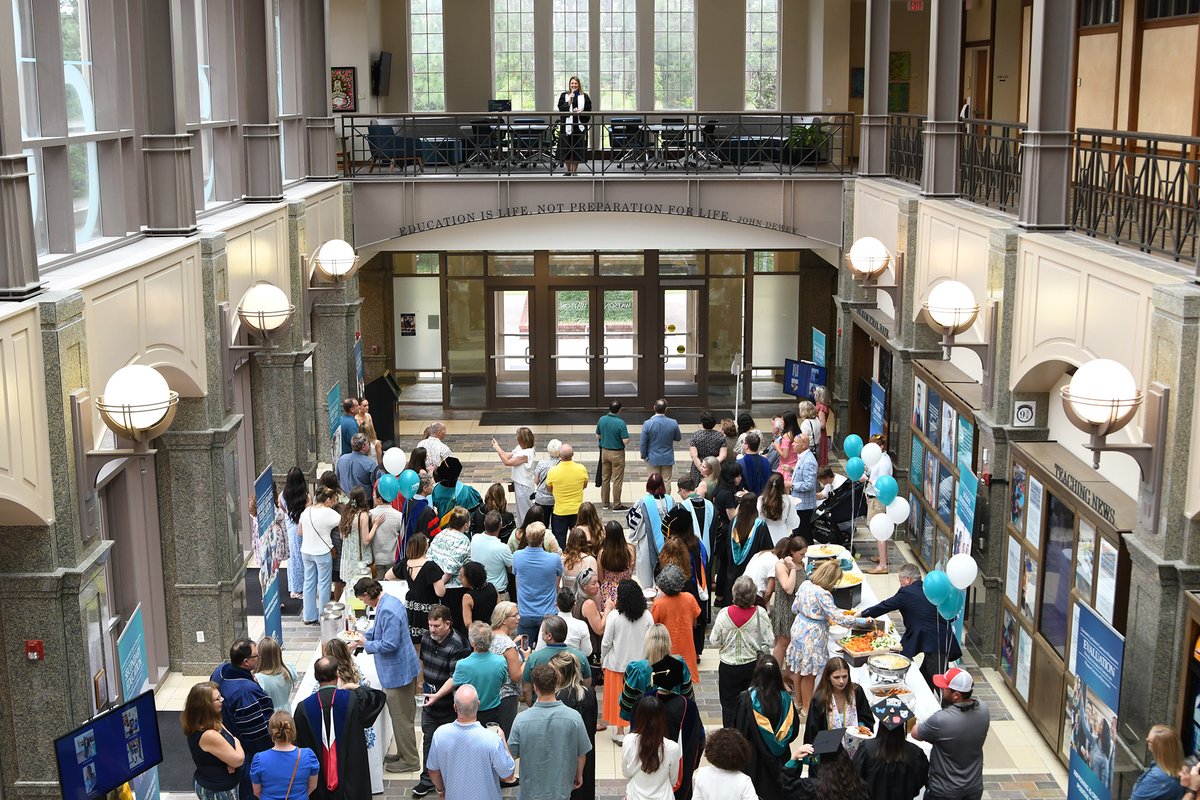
(595, 345)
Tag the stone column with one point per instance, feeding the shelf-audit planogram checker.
(166, 143)
(18, 250)
(1049, 141)
(940, 174)
(318, 121)
(1164, 565)
(873, 156)
(258, 106)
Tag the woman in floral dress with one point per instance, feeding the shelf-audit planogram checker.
(815, 612)
(356, 536)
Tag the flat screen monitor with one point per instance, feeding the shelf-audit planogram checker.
(109, 750)
(800, 378)
(499, 106)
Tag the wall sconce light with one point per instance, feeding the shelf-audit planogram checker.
(137, 403)
(335, 262)
(264, 310)
(952, 309)
(1102, 398)
(868, 259)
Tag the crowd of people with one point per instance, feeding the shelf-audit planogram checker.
(592, 626)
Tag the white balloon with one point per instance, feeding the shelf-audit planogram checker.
(871, 453)
(897, 510)
(394, 460)
(882, 528)
(962, 570)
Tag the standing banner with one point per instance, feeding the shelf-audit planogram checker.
(818, 347)
(135, 679)
(359, 369)
(1097, 653)
(878, 408)
(333, 402)
(265, 548)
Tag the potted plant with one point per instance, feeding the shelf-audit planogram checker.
(807, 143)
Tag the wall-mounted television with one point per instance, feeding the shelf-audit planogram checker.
(109, 750)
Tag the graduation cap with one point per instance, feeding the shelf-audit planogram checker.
(828, 742)
(667, 674)
(892, 712)
(677, 520)
(448, 471)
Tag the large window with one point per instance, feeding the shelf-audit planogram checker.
(762, 55)
(1098, 12)
(674, 55)
(79, 146)
(571, 51)
(1161, 9)
(427, 53)
(212, 108)
(287, 81)
(513, 48)
(618, 55)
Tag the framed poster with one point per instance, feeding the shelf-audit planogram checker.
(927, 536)
(1008, 645)
(916, 469)
(1029, 584)
(1085, 558)
(931, 471)
(1024, 660)
(1033, 521)
(933, 416)
(945, 494)
(1012, 579)
(1106, 581)
(966, 445)
(343, 89)
(1017, 497)
(949, 428)
(918, 409)
(942, 554)
(914, 512)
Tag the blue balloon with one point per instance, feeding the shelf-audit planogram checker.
(950, 608)
(937, 587)
(389, 487)
(855, 468)
(852, 446)
(407, 482)
(886, 490)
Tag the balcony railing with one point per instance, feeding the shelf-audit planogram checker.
(618, 143)
(990, 163)
(1138, 190)
(906, 147)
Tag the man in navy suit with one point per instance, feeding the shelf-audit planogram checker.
(924, 631)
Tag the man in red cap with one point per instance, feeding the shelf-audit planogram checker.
(957, 733)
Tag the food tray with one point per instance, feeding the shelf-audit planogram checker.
(820, 552)
(882, 691)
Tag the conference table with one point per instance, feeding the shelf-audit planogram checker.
(379, 735)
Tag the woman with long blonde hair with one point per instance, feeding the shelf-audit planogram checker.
(1161, 780)
(275, 676)
(815, 612)
(573, 693)
(347, 671)
(576, 557)
(357, 533)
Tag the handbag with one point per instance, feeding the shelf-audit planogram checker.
(295, 767)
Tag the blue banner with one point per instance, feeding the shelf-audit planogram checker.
(878, 407)
(964, 511)
(265, 548)
(135, 679)
(916, 469)
(358, 366)
(966, 445)
(1097, 653)
(333, 401)
(933, 416)
(818, 347)
(800, 378)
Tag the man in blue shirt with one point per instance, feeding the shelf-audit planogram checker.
(396, 663)
(804, 485)
(613, 434)
(755, 468)
(348, 425)
(356, 468)
(466, 760)
(659, 434)
(538, 575)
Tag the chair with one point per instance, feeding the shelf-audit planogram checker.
(484, 144)
(387, 147)
(673, 143)
(629, 141)
(706, 155)
(528, 140)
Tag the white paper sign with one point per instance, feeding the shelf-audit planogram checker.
(1033, 514)
(1074, 638)
(1012, 581)
(1024, 660)
(1106, 581)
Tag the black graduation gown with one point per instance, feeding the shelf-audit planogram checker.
(818, 719)
(353, 712)
(589, 710)
(895, 780)
(733, 570)
(683, 726)
(764, 767)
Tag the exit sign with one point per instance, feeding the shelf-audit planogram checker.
(916, 5)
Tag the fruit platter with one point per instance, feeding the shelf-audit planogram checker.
(860, 647)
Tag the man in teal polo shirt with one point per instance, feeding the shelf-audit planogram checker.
(554, 633)
(613, 435)
(483, 669)
(553, 741)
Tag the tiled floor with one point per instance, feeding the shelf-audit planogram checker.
(1017, 763)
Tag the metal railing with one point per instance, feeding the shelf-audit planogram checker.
(990, 163)
(906, 147)
(631, 143)
(1138, 190)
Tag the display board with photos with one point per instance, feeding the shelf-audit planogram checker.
(943, 486)
(1062, 548)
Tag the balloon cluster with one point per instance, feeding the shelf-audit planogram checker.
(398, 480)
(862, 458)
(945, 589)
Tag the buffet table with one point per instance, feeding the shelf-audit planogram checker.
(379, 735)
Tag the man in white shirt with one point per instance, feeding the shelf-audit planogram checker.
(436, 450)
(579, 635)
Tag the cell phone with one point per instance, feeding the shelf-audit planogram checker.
(1191, 761)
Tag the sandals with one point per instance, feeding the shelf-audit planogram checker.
(880, 570)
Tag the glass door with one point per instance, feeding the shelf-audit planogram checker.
(684, 373)
(510, 356)
(572, 351)
(619, 346)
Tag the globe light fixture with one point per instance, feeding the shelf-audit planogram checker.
(952, 307)
(137, 403)
(335, 260)
(265, 308)
(867, 260)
